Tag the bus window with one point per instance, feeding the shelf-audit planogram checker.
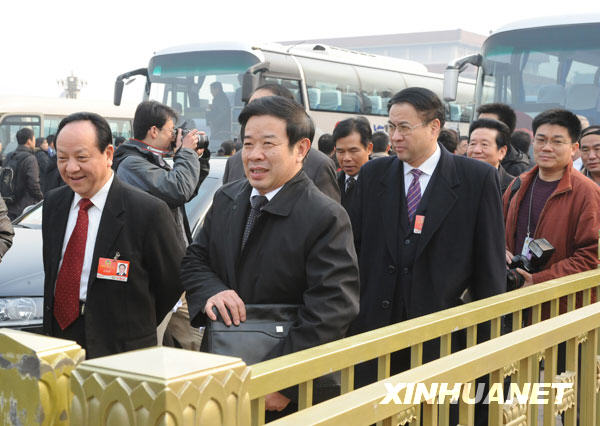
(51, 123)
(331, 86)
(11, 124)
(120, 127)
(377, 87)
(292, 85)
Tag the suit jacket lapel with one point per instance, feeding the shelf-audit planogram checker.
(111, 223)
(441, 199)
(237, 222)
(57, 219)
(391, 196)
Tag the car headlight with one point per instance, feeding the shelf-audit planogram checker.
(21, 311)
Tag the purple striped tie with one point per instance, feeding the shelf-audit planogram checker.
(413, 196)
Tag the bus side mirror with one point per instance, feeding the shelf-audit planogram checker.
(450, 84)
(251, 79)
(118, 92)
(119, 83)
(249, 85)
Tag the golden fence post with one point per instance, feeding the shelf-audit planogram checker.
(34, 378)
(550, 366)
(588, 379)
(416, 359)
(257, 408)
(572, 366)
(444, 409)
(161, 386)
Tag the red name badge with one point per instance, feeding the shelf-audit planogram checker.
(113, 269)
(419, 221)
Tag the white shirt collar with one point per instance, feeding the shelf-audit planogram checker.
(348, 176)
(99, 198)
(269, 195)
(428, 165)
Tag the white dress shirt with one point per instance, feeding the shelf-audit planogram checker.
(94, 215)
(348, 177)
(428, 167)
(269, 195)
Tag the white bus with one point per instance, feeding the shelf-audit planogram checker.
(330, 82)
(42, 115)
(538, 64)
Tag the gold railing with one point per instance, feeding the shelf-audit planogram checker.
(302, 367)
(368, 405)
(200, 382)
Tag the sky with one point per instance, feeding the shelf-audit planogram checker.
(45, 41)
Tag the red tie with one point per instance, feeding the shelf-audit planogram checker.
(66, 295)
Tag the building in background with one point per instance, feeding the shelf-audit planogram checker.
(434, 49)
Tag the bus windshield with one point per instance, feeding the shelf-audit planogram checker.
(204, 87)
(536, 69)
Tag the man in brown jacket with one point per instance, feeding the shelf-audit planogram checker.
(555, 202)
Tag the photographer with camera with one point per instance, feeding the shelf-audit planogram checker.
(140, 162)
(552, 212)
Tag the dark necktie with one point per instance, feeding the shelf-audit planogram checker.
(256, 203)
(66, 295)
(350, 184)
(413, 196)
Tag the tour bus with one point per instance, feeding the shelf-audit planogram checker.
(331, 83)
(538, 64)
(42, 115)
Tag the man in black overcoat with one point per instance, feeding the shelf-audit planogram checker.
(428, 226)
(298, 251)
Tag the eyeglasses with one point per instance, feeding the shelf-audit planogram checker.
(403, 129)
(553, 143)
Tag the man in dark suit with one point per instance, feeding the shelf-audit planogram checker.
(352, 139)
(91, 222)
(317, 166)
(275, 239)
(427, 224)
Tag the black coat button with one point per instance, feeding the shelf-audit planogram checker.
(405, 270)
(391, 269)
(407, 241)
(385, 304)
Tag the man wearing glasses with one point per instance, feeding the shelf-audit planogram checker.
(555, 202)
(140, 162)
(427, 224)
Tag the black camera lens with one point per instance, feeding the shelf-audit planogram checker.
(202, 142)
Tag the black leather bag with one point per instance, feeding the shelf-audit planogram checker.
(265, 328)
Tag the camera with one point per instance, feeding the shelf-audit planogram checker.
(202, 139)
(540, 251)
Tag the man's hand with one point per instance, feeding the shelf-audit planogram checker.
(276, 401)
(227, 299)
(509, 257)
(527, 276)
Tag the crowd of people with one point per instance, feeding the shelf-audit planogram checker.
(371, 229)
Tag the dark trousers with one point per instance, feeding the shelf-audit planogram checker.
(75, 331)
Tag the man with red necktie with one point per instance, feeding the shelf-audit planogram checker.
(89, 227)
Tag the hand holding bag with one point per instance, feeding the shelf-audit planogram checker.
(265, 328)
